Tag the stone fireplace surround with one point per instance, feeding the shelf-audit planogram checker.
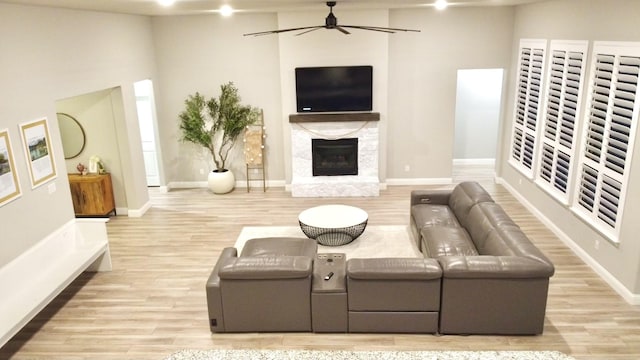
(305, 127)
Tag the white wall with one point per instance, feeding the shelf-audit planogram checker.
(591, 20)
(51, 54)
(200, 53)
(422, 81)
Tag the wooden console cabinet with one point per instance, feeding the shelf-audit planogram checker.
(92, 195)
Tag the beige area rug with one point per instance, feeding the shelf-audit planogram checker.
(365, 355)
(376, 241)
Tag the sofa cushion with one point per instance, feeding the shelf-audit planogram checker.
(485, 218)
(393, 284)
(280, 246)
(266, 267)
(511, 241)
(433, 215)
(446, 241)
(494, 267)
(464, 196)
(393, 269)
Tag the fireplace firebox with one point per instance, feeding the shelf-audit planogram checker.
(334, 157)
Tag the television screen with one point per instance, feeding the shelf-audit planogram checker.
(334, 88)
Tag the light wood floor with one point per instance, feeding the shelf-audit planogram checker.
(153, 302)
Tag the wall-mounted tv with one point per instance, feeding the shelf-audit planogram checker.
(334, 88)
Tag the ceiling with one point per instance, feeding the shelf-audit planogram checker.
(191, 7)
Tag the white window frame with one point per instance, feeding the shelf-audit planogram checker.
(606, 197)
(527, 105)
(561, 117)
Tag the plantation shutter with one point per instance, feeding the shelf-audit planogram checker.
(565, 71)
(607, 142)
(528, 101)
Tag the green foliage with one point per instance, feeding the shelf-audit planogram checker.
(216, 124)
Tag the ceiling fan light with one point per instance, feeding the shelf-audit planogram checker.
(226, 10)
(166, 2)
(441, 4)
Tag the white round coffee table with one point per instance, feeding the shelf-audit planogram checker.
(333, 225)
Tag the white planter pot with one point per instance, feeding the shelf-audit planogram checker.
(221, 182)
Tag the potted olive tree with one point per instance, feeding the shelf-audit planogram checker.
(216, 124)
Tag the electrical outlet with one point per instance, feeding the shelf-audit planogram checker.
(519, 181)
(597, 244)
(201, 171)
(407, 168)
(52, 188)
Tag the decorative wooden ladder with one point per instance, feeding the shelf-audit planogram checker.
(254, 137)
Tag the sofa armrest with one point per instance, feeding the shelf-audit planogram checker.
(494, 267)
(214, 278)
(214, 296)
(266, 268)
(433, 197)
(393, 269)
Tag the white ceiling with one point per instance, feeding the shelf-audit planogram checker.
(186, 7)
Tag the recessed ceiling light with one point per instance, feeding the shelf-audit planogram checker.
(226, 10)
(441, 4)
(166, 2)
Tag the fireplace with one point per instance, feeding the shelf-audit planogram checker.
(334, 157)
(360, 128)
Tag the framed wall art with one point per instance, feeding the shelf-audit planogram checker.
(38, 150)
(9, 184)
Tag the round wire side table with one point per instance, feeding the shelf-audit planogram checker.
(333, 225)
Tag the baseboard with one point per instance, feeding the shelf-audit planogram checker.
(239, 184)
(281, 183)
(186, 185)
(139, 212)
(487, 162)
(255, 184)
(420, 181)
(628, 296)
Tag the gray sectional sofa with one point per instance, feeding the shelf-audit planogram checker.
(494, 280)
(479, 274)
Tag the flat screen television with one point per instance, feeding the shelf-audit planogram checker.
(334, 88)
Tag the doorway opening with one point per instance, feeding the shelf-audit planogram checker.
(477, 118)
(147, 121)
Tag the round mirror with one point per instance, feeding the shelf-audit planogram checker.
(72, 134)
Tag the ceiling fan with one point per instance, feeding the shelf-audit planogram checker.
(331, 22)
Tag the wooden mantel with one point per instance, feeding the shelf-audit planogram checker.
(333, 117)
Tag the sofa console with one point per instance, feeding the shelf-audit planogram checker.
(479, 274)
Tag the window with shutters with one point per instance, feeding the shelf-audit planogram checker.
(528, 102)
(565, 72)
(609, 131)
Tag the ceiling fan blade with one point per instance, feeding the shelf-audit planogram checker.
(366, 27)
(340, 28)
(310, 30)
(369, 28)
(283, 30)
